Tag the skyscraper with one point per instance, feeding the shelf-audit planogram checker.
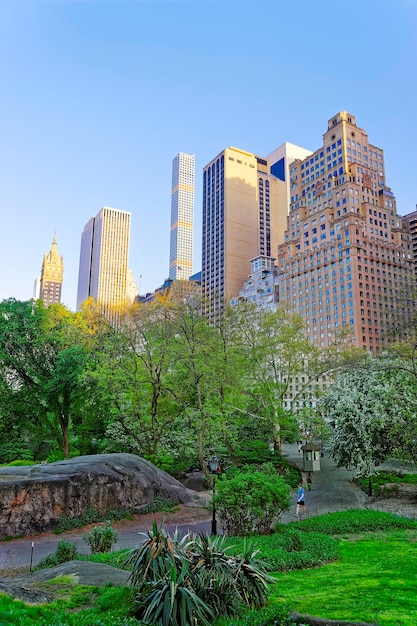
(346, 257)
(244, 216)
(104, 259)
(281, 159)
(411, 221)
(52, 275)
(182, 217)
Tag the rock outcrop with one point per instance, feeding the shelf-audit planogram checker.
(34, 498)
(28, 588)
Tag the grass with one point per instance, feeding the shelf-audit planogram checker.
(374, 580)
(80, 606)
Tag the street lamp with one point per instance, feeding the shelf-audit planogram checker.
(214, 468)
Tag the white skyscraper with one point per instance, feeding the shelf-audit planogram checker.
(182, 217)
(104, 259)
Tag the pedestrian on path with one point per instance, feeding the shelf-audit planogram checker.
(300, 500)
(309, 481)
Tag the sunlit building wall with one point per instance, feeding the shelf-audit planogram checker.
(104, 259)
(182, 217)
(346, 258)
(244, 216)
(52, 275)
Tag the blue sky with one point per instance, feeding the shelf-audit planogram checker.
(97, 98)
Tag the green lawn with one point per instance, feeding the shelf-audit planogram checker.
(375, 580)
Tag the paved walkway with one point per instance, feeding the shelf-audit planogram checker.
(332, 490)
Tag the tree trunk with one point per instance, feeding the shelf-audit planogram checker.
(277, 428)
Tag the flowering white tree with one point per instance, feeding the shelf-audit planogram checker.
(373, 410)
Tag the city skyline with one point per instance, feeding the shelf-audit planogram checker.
(96, 101)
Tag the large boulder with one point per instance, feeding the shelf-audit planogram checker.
(34, 498)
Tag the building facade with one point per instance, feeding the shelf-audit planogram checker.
(182, 217)
(261, 286)
(52, 275)
(346, 256)
(410, 220)
(281, 159)
(104, 260)
(244, 216)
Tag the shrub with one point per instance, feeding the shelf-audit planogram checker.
(355, 520)
(291, 549)
(170, 601)
(91, 516)
(251, 501)
(101, 538)
(160, 504)
(65, 551)
(381, 478)
(180, 572)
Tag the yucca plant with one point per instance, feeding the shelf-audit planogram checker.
(213, 574)
(171, 576)
(148, 560)
(170, 600)
(230, 581)
(252, 577)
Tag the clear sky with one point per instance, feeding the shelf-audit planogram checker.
(97, 98)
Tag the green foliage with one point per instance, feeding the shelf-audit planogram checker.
(170, 601)
(111, 608)
(382, 478)
(251, 501)
(291, 549)
(18, 463)
(353, 521)
(91, 516)
(171, 578)
(160, 504)
(101, 538)
(65, 551)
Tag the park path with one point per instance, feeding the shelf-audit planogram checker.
(332, 490)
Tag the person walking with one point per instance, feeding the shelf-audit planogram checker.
(300, 500)
(309, 481)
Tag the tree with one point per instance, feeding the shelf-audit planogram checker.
(373, 415)
(277, 353)
(41, 365)
(196, 346)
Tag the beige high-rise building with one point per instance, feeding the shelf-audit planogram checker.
(104, 260)
(346, 258)
(182, 217)
(244, 216)
(52, 275)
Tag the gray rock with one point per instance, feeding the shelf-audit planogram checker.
(34, 498)
(29, 588)
(83, 572)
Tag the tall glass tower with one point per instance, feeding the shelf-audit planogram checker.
(104, 259)
(182, 217)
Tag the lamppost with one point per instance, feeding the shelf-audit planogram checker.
(214, 467)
